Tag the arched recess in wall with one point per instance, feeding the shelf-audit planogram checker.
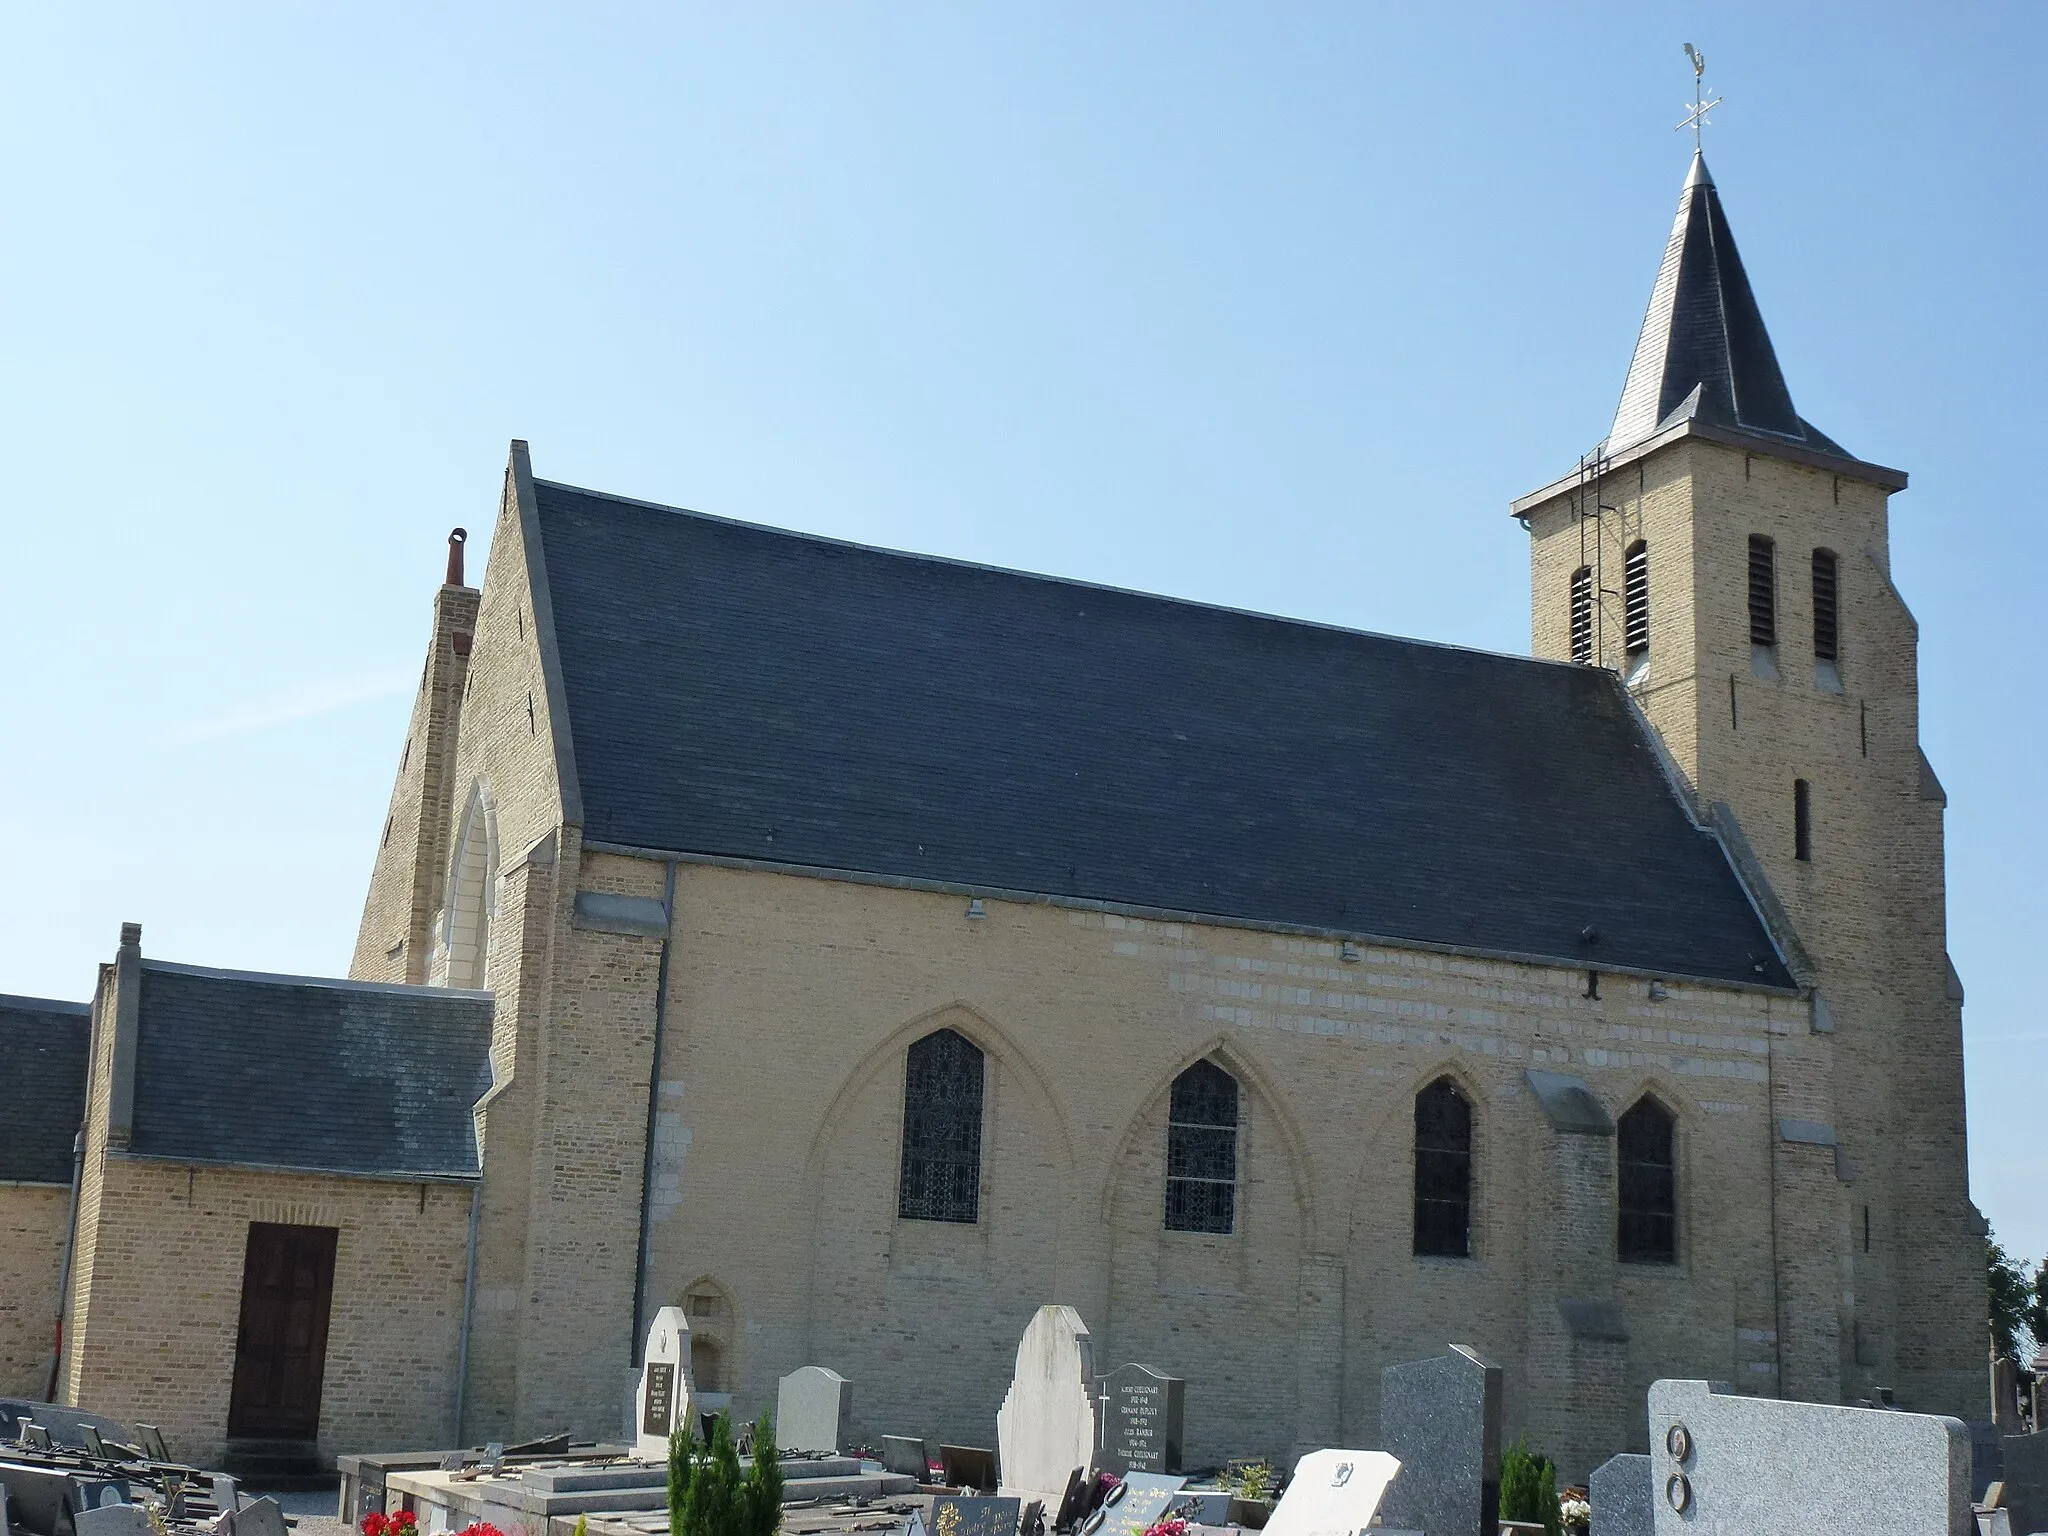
(708, 1307)
(1269, 1105)
(471, 899)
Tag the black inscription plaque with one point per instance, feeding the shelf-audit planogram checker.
(658, 1417)
(1140, 1422)
(954, 1516)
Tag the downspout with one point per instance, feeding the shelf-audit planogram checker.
(640, 1266)
(476, 1208)
(64, 1271)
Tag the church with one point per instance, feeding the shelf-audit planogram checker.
(861, 949)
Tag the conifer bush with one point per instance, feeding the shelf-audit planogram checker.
(761, 1500)
(679, 1467)
(1528, 1487)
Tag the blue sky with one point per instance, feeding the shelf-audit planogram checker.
(1276, 306)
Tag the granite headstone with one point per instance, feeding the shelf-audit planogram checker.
(1440, 1418)
(2025, 1472)
(1046, 1426)
(1333, 1493)
(1134, 1505)
(1141, 1414)
(812, 1410)
(961, 1516)
(1620, 1493)
(662, 1403)
(260, 1517)
(905, 1455)
(1725, 1464)
(112, 1520)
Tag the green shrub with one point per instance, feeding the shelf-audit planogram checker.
(761, 1499)
(1528, 1487)
(679, 1468)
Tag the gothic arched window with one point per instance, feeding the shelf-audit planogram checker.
(1201, 1151)
(1582, 615)
(1646, 1148)
(466, 915)
(942, 1089)
(1635, 598)
(1443, 1171)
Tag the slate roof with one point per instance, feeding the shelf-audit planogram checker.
(1704, 354)
(744, 692)
(298, 1072)
(43, 1046)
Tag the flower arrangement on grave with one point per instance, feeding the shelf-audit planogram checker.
(480, 1528)
(404, 1523)
(1575, 1511)
(1249, 1480)
(1174, 1527)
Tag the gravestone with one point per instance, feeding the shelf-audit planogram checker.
(2025, 1469)
(113, 1520)
(1620, 1493)
(1720, 1463)
(258, 1517)
(662, 1403)
(1333, 1493)
(1046, 1426)
(1440, 1418)
(812, 1407)
(1202, 1506)
(1142, 1411)
(1134, 1505)
(903, 1455)
(956, 1515)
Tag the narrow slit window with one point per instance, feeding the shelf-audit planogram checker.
(1763, 591)
(1802, 821)
(1582, 615)
(1443, 1171)
(1826, 606)
(1635, 605)
(1646, 1149)
(1201, 1151)
(942, 1097)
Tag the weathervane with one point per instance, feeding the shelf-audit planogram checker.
(1696, 119)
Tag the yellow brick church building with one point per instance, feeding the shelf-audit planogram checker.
(861, 950)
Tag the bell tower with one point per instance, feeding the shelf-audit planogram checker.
(1733, 564)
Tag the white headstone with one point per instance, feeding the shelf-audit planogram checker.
(812, 1406)
(662, 1404)
(1046, 1426)
(1333, 1493)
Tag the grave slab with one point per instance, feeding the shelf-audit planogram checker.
(901, 1453)
(1333, 1493)
(662, 1402)
(1142, 1412)
(1725, 1465)
(1140, 1501)
(113, 1520)
(2025, 1473)
(1620, 1492)
(1440, 1418)
(1046, 1426)
(813, 1407)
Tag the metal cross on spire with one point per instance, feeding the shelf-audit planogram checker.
(1696, 118)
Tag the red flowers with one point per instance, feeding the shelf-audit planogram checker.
(404, 1523)
(481, 1528)
(1174, 1527)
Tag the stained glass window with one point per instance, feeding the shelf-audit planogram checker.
(1443, 1171)
(942, 1089)
(1645, 1147)
(1201, 1151)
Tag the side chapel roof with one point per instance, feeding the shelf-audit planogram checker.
(742, 692)
(43, 1046)
(305, 1072)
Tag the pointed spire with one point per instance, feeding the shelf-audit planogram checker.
(1704, 354)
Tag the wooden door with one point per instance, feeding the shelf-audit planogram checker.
(281, 1347)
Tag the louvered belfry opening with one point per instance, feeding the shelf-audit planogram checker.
(1826, 606)
(1646, 1149)
(1582, 615)
(942, 1097)
(1802, 821)
(1635, 602)
(1443, 1171)
(1763, 591)
(1201, 1151)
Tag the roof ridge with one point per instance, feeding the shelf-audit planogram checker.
(16, 1003)
(332, 983)
(1081, 584)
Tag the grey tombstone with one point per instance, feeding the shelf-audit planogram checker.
(1134, 1505)
(1723, 1465)
(812, 1409)
(259, 1517)
(113, 1520)
(902, 1454)
(1139, 1428)
(1440, 1418)
(1620, 1494)
(1046, 1426)
(2025, 1464)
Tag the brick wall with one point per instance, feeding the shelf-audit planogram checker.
(31, 1258)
